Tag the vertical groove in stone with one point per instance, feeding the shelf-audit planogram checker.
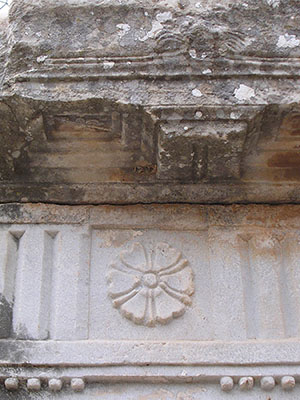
(250, 300)
(49, 256)
(227, 287)
(290, 285)
(83, 287)
(54, 288)
(266, 264)
(9, 244)
(69, 305)
(33, 284)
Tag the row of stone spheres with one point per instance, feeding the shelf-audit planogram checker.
(150, 200)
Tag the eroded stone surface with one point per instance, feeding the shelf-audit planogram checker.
(139, 102)
(180, 101)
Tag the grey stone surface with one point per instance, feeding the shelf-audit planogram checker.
(151, 101)
(106, 104)
(218, 317)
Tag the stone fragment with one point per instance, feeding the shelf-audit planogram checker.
(246, 383)
(55, 384)
(288, 382)
(11, 383)
(267, 383)
(33, 384)
(226, 383)
(77, 384)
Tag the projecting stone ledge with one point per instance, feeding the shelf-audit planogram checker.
(141, 101)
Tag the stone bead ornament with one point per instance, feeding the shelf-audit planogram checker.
(227, 384)
(267, 383)
(151, 287)
(34, 384)
(288, 382)
(55, 385)
(77, 384)
(246, 383)
(11, 383)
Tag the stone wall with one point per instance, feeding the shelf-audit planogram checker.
(149, 200)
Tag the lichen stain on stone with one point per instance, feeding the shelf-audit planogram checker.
(291, 125)
(285, 160)
(12, 211)
(5, 317)
(244, 92)
(160, 394)
(273, 3)
(157, 25)
(287, 163)
(113, 238)
(121, 176)
(292, 174)
(288, 41)
(23, 394)
(13, 351)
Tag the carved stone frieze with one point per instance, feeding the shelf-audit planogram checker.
(210, 298)
(151, 287)
(108, 105)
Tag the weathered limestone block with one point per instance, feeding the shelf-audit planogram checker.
(144, 101)
(150, 101)
(186, 302)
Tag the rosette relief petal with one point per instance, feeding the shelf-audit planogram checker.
(151, 286)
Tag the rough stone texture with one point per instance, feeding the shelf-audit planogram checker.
(151, 101)
(219, 316)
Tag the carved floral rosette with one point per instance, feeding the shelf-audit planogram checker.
(151, 287)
